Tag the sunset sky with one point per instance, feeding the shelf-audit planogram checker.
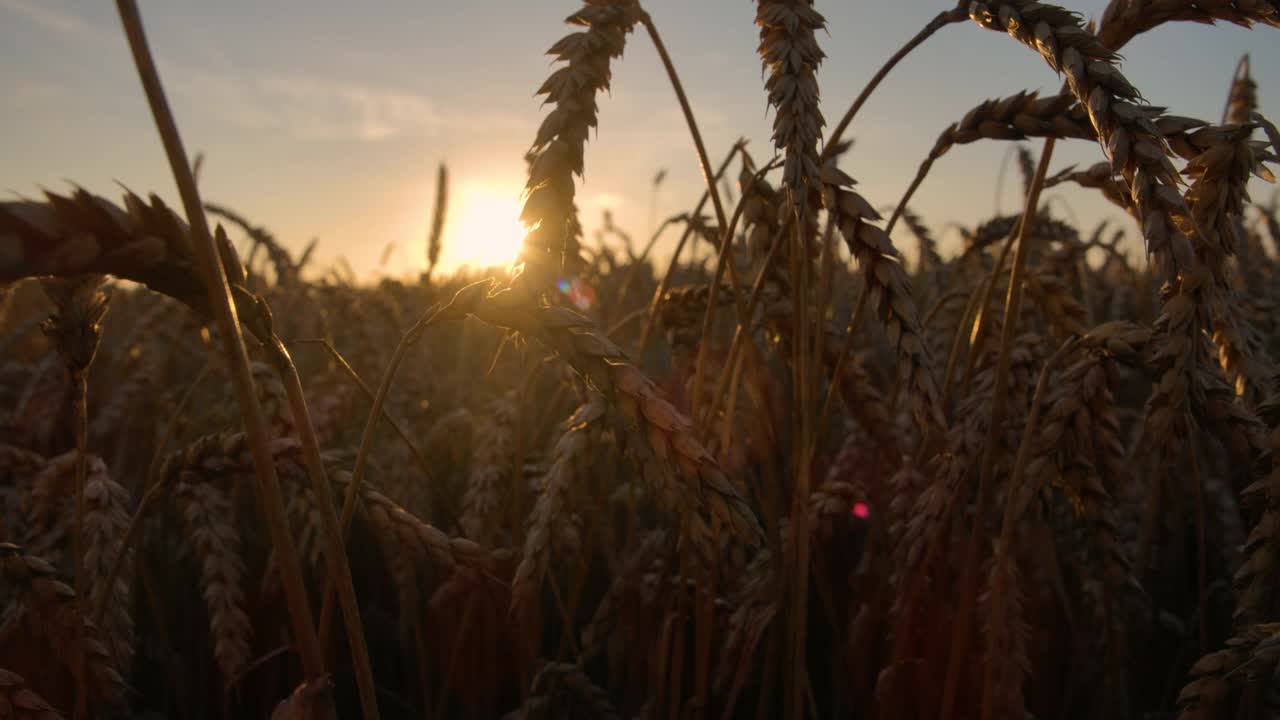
(327, 119)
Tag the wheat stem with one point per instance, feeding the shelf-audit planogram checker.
(237, 357)
(956, 15)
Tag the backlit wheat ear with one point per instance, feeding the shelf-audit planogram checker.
(1130, 139)
(557, 152)
(1025, 115)
(791, 57)
(886, 278)
(1098, 176)
(1122, 20)
(1242, 101)
(1218, 196)
(1188, 391)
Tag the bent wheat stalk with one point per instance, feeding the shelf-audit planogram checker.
(1125, 131)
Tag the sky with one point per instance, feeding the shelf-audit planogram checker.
(328, 119)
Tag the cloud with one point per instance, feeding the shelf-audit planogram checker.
(323, 110)
(50, 18)
(303, 106)
(306, 107)
(312, 108)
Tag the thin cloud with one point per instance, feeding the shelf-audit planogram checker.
(318, 109)
(50, 18)
(312, 108)
(301, 106)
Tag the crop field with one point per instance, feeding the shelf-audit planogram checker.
(808, 465)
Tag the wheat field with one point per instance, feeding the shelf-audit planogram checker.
(799, 477)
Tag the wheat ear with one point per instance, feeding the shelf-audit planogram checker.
(1122, 20)
(889, 287)
(557, 152)
(18, 702)
(550, 509)
(491, 464)
(53, 615)
(1125, 131)
(206, 515)
(667, 434)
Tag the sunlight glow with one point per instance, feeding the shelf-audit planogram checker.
(483, 229)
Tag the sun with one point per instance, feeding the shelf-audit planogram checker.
(483, 229)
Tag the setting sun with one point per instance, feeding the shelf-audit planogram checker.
(485, 229)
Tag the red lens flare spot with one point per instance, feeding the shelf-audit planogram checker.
(861, 510)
